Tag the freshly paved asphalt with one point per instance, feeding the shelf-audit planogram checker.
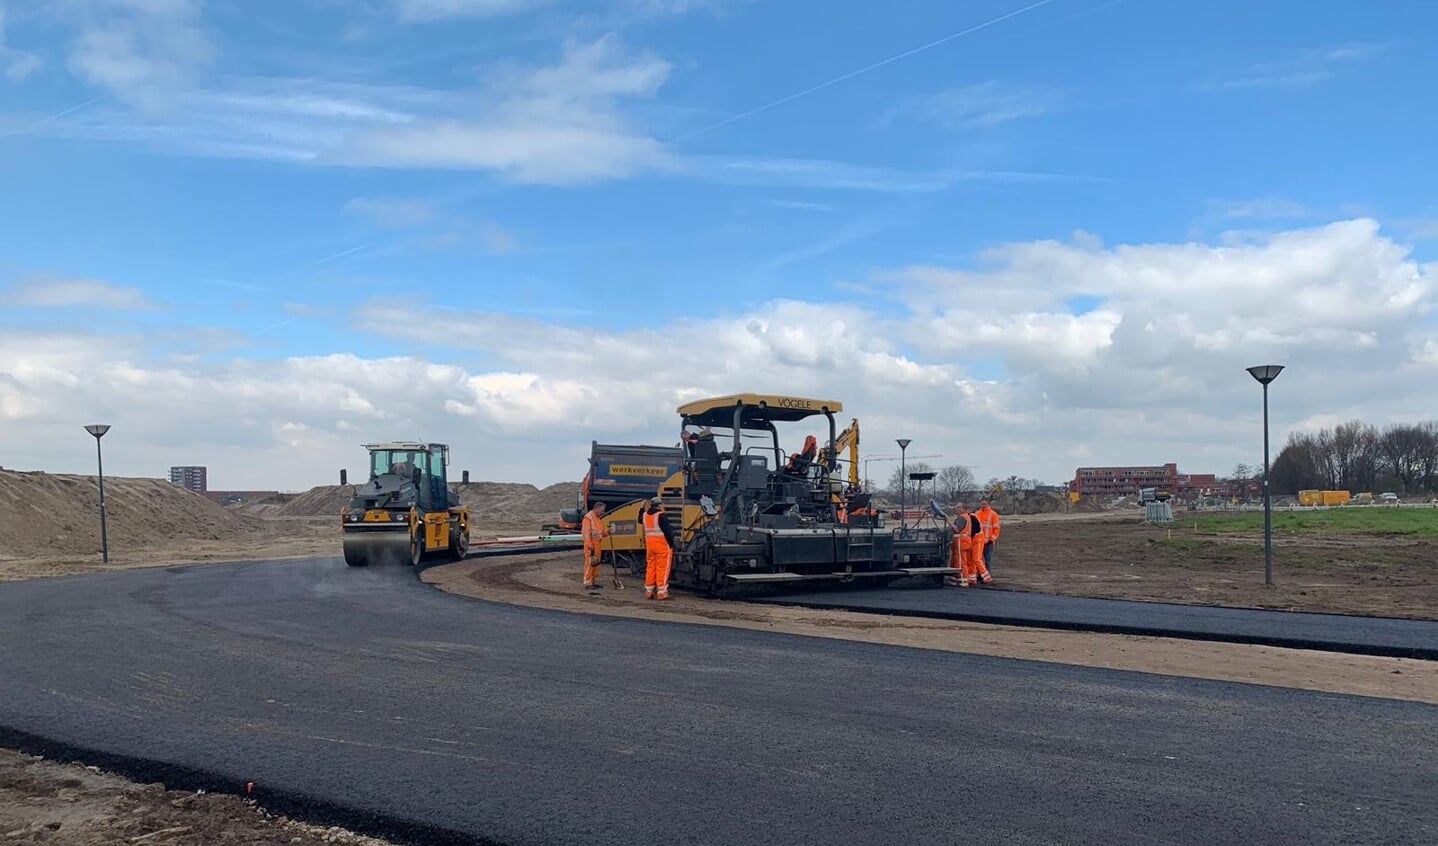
(1333, 632)
(368, 693)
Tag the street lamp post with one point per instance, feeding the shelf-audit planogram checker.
(903, 486)
(1264, 374)
(99, 430)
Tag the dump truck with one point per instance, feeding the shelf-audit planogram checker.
(405, 510)
(746, 514)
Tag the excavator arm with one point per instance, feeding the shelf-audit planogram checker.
(847, 439)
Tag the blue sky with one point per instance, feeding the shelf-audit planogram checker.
(242, 178)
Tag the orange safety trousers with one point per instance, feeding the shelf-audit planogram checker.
(974, 568)
(593, 551)
(593, 554)
(959, 555)
(658, 558)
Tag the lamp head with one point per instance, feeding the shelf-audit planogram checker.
(1265, 373)
(98, 429)
(904, 442)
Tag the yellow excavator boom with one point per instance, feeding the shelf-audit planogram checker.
(847, 439)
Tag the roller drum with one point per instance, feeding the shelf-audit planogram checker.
(387, 547)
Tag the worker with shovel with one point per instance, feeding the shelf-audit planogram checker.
(594, 532)
(966, 553)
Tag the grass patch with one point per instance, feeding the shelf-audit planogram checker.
(1362, 520)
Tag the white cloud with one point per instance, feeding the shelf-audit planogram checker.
(557, 123)
(75, 293)
(18, 64)
(1261, 208)
(490, 237)
(392, 212)
(1304, 69)
(437, 10)
(981, 105)
(843, 176)
(1154, 372)
(148, 53)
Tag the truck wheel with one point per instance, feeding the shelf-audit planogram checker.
(416, 549)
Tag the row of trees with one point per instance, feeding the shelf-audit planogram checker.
(1356, 456)
(949, 483)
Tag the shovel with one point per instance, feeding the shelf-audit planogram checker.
(618, 585)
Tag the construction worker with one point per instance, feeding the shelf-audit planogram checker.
(990, 520)
(658, 551)
(960, 546)
(593, 532)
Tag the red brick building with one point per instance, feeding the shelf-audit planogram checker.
(1128, 481)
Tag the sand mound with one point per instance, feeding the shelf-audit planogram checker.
(43, 514)
(322, 501)
(495, 500)
(268, 506)
(491, 502)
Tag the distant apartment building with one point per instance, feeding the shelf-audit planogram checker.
(190, 478)
(1128, 481)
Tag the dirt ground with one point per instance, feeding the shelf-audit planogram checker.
(1122, 558)
(72, 805)
(552, 580)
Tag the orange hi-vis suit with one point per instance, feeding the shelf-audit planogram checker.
(658, 557)
(978, 571)
(594, 532)
(968, 549)
(959, 548)
(989, 518)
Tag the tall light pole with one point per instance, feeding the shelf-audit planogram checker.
(903, 486)
(1265, 373)
(99, 430)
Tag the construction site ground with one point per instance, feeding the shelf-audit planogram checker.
(63, 804)
(46, 529)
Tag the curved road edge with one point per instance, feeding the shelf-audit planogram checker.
(1083, 620)
(293, 804)
(1077, 623)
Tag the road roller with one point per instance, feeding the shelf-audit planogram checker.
(406, 510)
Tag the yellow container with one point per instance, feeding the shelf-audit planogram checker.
(1336, 497)
(1310, 497)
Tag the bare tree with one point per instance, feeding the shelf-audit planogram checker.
(952, 483)
(1356, 456)
(896, 481)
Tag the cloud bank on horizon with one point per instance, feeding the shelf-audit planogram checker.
(521, 225)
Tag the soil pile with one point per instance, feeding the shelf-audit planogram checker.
(44, 514)
(490, 502)
(504, 502)
(323, 501)
(267, 506)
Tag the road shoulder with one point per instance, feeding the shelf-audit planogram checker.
(552, 581)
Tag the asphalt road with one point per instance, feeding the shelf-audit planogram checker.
(1333, 632)
(366, 691)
